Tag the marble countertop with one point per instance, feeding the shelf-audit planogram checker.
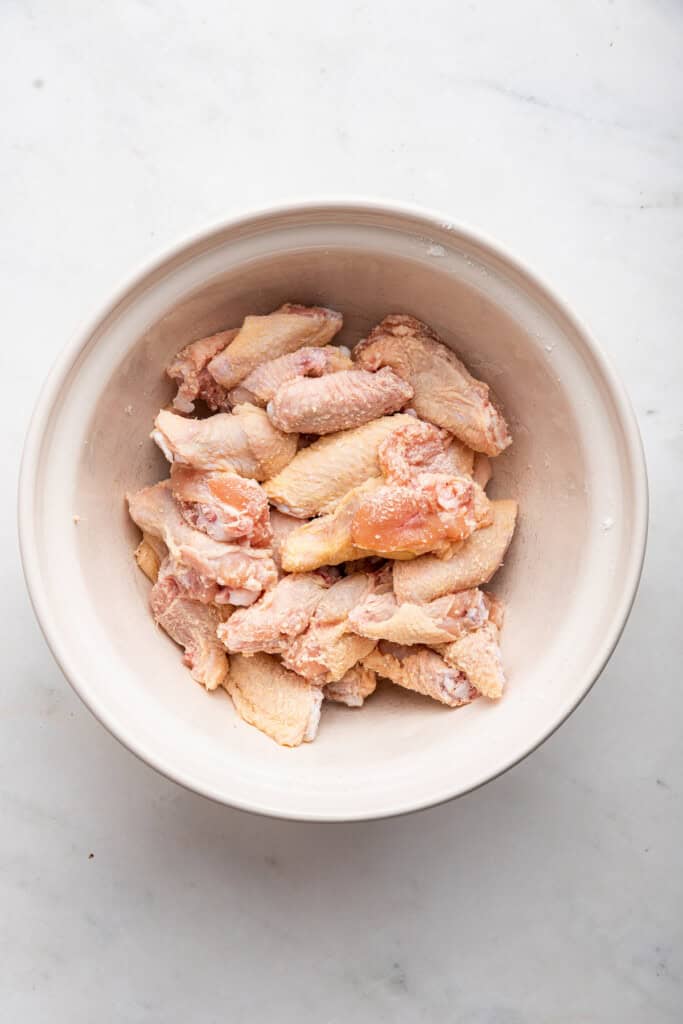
(554, 894)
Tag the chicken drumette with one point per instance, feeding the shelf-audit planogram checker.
(445, 392)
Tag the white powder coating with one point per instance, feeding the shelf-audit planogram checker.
(435, 250)
(607, 524)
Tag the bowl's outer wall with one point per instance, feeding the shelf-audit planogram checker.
(575, 467)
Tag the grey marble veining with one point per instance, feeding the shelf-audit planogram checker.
(553, 894)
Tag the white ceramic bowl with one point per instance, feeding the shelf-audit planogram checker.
(576, 467)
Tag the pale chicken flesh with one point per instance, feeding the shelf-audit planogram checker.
(474, 563)
(275, 619)
(380, 617)
(319, 476)
(279, 703)
(259, 386)
(193, 626)
(208, 570)
(418, 447)
(243, 441)
(223, 505)
(326, 650)
(337, 401)
(353, 688)
(189, 369)
(422, 670)
(428, 514)
(263, 338)
(446, 393)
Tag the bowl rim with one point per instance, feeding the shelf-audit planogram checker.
(49, 393)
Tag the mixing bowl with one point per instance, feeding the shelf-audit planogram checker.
(576, 467)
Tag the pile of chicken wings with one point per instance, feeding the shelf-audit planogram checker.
(325, 520)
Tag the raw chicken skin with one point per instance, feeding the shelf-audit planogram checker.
(263, 338)
(223, 505)
(279, 703)
(478, 657)
(326, 651)
(422, 516)
(243, 442)
(193, 626)
(422, 670)
(207, 569)
(446, 393)
(496, 609)
(419, 447)
(327, 539)
(319, 476)
(149, 554)
(473, 563)
(353, 688)
(280, 615)
(380, 617)
(259, 386)
(482, 471)
(281, 526)
(189, 368)
(337, 401)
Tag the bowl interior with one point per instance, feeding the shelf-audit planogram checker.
(570, 468)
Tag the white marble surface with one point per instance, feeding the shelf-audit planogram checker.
(553, 894)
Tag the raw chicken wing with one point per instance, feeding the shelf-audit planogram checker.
(337, 401)
(281, 525)
(419, 447)
(223, 505)
(149, 554)
(193, 626)
(327, 539)
(426, 515)
(353, 688)
(189, 368)
(477, 656)
(445, 392)
(279, 703)
(244, 442)
(423, 670)
(482, 471)
(207, 569)
(259, 386)
(380, 617)
(320, 475)
(327, 650)
(281, 614)
(473, 563)
(267, 337)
